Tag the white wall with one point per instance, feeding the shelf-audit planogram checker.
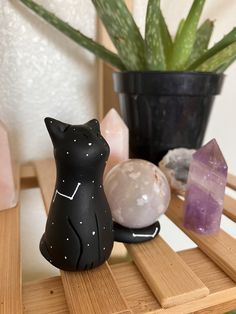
(222, 121)
(42, 73)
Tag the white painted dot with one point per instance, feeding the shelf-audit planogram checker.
(50, 261)
(50, 246)
(100, 186)
(90, 144)
(51, 121)
(104, 249)
(63, 181)
(52, 223)
(93, 181)
(65, 257)
(92, 197)
(74, 129)
(67, 239)
(87, 155)
(75, 140)
(88, 244)
(67, 153)
(93, 233)
(104, 228)
(101, 154)
(81, 222)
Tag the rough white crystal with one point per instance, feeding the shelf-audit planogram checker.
(175, 165)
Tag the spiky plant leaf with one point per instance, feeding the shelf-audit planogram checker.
(226, 65)
(166, 38)
(84, 41)
(185, 41)
(154, 50)
(219, 59)
(179, 29)
(223, 43)
(202, 40)
(123, 32)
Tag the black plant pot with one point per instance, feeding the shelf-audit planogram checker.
(165, 110)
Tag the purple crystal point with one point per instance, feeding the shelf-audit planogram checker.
(205, 189)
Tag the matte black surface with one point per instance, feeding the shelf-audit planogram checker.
(126, 235)
(78, 233)
(168, 83)
(165, 110)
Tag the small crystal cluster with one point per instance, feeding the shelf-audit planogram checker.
(175, 165)
(205, 189)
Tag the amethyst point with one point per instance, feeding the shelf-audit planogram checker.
(205, 189)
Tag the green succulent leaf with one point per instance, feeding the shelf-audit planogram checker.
(123, 32)
(154, 50)
(202, 40)
(223, 43)
(184, 42)
(225, 66)
(75, 35)
(166, 38)
(179, 29)
(218, 60)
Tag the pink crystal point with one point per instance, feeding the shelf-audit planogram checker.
(7, 186)
(116, 133)
(205, 189)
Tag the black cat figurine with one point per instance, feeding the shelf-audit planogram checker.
(79, 234)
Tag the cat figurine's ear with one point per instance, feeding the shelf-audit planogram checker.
(94, 125)
(55, 128)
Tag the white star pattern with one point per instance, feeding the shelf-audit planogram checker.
(67, 196)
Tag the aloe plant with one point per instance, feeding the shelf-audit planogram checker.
(158, 50)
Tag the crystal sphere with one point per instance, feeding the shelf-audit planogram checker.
(137, 192)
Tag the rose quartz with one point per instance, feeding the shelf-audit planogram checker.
(116, 133)
(7, 186)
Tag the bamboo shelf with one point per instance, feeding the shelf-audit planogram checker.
(158, 280)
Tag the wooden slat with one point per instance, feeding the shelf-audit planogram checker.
(220, 247)
(28, 176)
(141, 300)
(46, 174)
(135, 289)
(169, 278)
(47, 296)
(231, 181)
(93, 291)
(109, 99)
(10, 262)
(230, 207)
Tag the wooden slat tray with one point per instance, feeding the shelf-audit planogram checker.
(157, 280)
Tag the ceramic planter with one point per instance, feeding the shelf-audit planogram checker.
(165, 110)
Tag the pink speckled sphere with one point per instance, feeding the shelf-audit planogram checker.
(137, 192)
